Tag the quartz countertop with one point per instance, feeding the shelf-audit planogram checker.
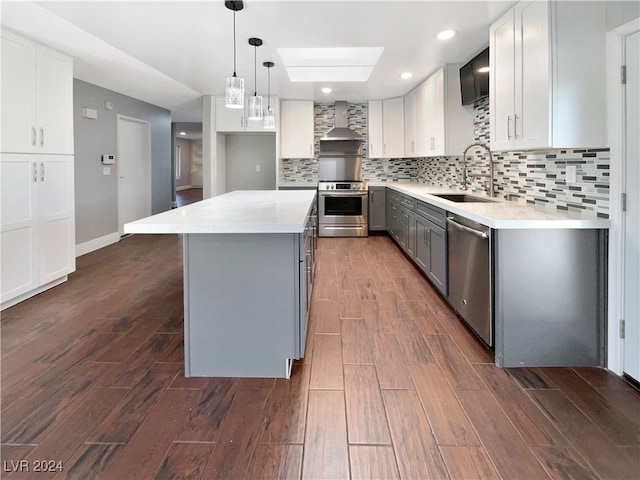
(241, 211)
(500, 214)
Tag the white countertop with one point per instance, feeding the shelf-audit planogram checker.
(241, 211)
(499, 213)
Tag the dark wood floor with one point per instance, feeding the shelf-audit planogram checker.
(392, 386)
(187, 196)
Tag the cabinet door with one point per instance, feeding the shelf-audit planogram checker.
(501, 82)
(228, 119)
(437, 266)
(297, 129)
(377, 208)
(19, 230)
(424, 105)
(56, 256)
(439, 120)
(393, 127)
(18, 94)
(410, 123)
(422, 244)
(374, 129)
(430, 114)
(532, 75)
(54, 100)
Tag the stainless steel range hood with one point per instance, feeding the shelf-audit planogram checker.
(341, 131)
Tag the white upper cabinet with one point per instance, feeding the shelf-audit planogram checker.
(386, 128)
(37, 98)
(410, 101)
(234, 120)
(374, 129)
(297, 129)
(442, 126)
(547, 82)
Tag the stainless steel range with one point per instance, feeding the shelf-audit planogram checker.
(343, 209)
(343, 197)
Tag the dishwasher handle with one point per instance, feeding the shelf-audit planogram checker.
(477, 233)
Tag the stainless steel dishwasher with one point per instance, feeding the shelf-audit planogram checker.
(470, 279)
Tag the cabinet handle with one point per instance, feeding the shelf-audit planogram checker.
(42, 171)
(384, 148)
(35, 170)
(33, 136)
(508, 127)
(370, 150)
(41, 137)
(515, 126)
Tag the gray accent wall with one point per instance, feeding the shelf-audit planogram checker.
(96, 195)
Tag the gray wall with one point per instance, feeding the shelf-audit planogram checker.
(96, 195)
(243, 153)
(621, 12)
(185, 157)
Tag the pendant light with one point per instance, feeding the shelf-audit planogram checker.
(234, 86)
(269, 115)
(255, 102)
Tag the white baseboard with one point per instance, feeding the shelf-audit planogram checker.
(33, 293)
(97, 243)
(184, 187)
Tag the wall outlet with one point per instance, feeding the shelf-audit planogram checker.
(257, 168)
(571, 174)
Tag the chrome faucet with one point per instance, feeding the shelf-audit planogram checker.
(465, 181)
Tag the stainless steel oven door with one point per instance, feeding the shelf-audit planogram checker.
(343, 207)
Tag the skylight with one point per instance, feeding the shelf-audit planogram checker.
(330, 64)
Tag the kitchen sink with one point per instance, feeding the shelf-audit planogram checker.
(462, 198)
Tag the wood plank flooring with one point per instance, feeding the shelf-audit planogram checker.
(393, 386)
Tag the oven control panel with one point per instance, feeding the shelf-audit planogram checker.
(323, 186)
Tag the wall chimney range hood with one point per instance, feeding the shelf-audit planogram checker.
(341, 131)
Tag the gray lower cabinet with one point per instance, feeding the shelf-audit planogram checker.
(431, 252)
(247, 299)
(377, 209)
(393, 215)
(420, 230)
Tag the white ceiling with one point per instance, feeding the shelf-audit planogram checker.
(170, 53)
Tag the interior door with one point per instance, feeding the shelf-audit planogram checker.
(134, 170)
(631, 263)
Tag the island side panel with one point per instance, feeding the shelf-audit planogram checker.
(549, 297)
(240, 304)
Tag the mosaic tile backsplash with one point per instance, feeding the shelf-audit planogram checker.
(535, 176)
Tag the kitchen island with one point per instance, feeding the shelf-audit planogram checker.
(248, 273)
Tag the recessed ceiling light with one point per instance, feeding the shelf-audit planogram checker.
(484, 69)
(406, 75)
(446, 34)
(183, 133)
(326, 90)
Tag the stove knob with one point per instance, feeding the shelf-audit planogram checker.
(326, 187)
(331, 187)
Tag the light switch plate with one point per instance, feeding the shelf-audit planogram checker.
(257, 168)
(106, 170)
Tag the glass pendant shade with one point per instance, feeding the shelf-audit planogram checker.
(234, 92)
(269, 114)
(269, 118)
(234, 86)
(255, 107)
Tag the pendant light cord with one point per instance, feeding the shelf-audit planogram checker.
(234, 43)
(255, 70)
(268, 87)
